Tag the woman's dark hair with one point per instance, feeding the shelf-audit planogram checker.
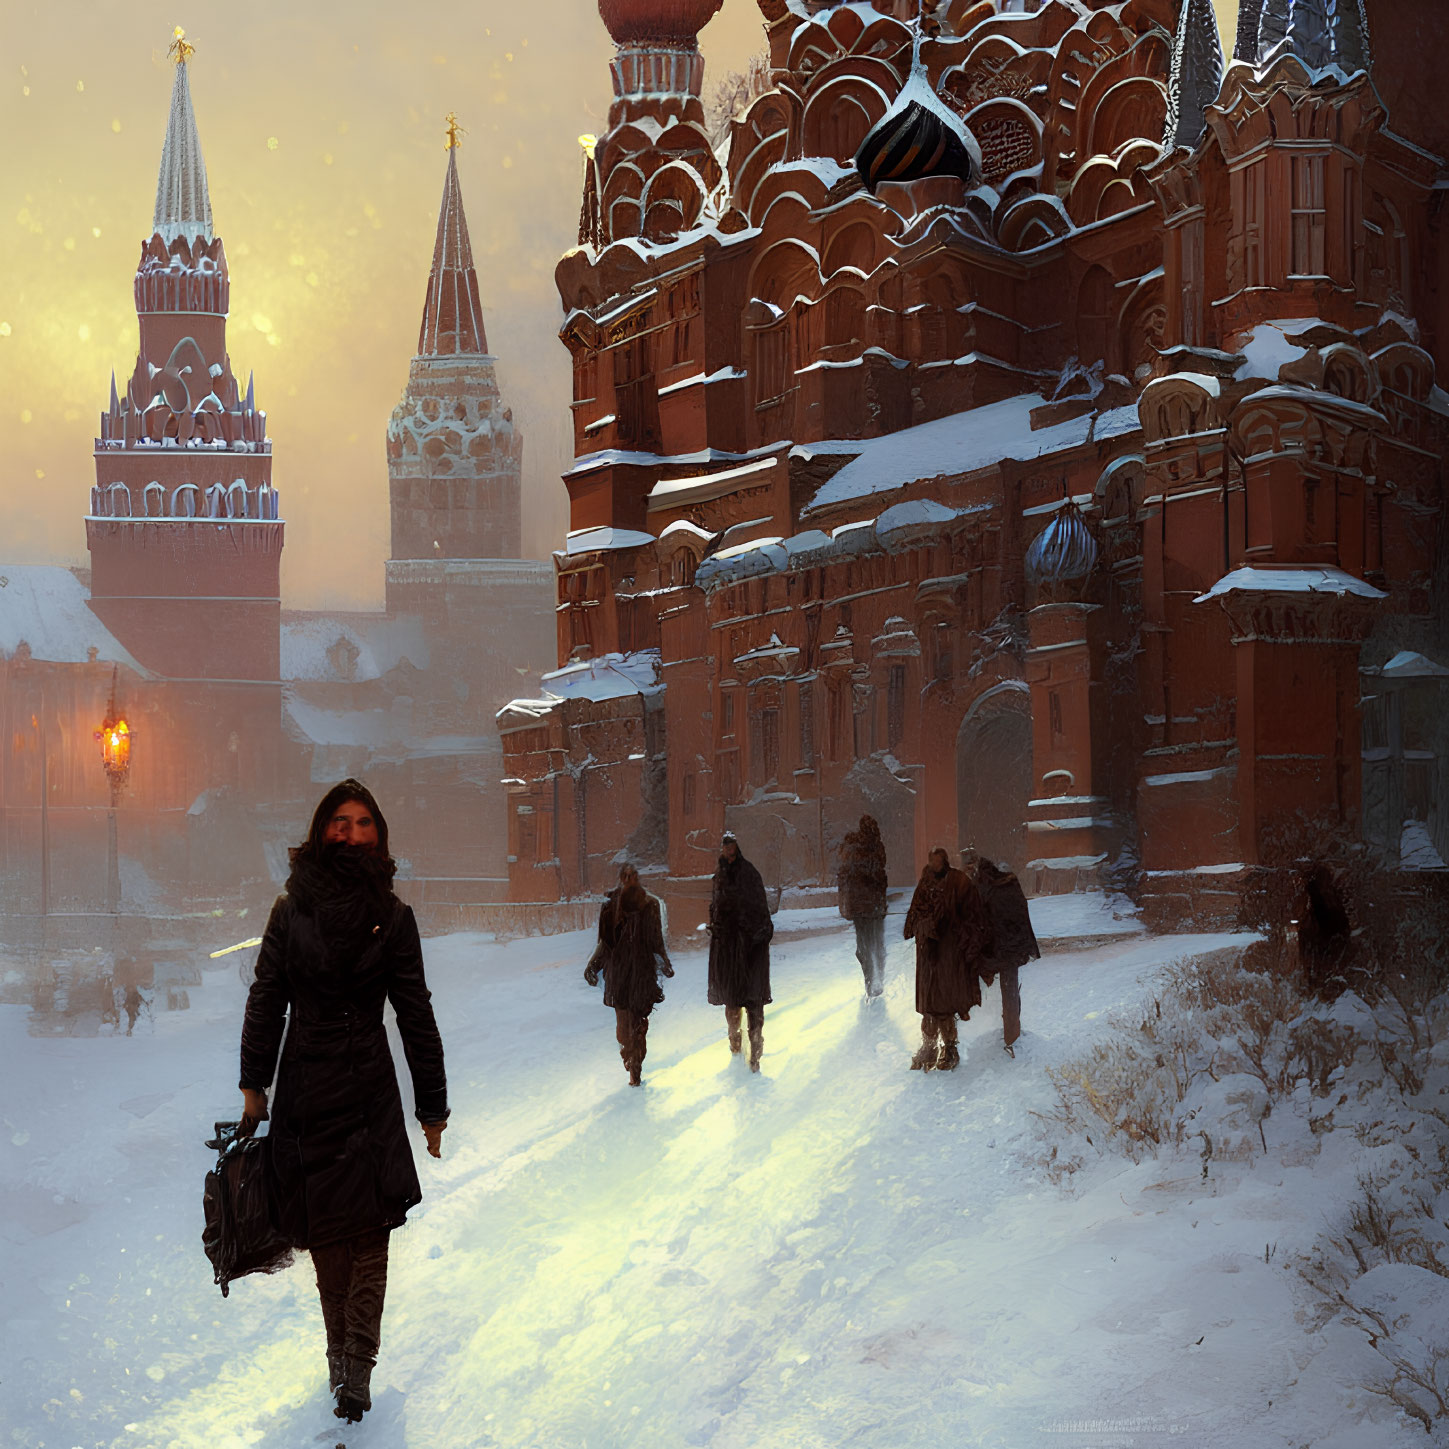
(340, 794)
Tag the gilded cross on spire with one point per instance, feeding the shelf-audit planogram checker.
(180, 51)
(455, 132)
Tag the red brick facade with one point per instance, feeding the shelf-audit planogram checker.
(1029, 431)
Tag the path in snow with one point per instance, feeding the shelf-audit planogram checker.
(838, 1252)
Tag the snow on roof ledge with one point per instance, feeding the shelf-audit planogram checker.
(952, 446)
(685, 527)
(525, 710)
(1299, 579)
(599, 540)
(610, 676)
(1406, 664)
(46, 608)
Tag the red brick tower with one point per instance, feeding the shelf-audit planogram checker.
(183, 527)
(454, 455)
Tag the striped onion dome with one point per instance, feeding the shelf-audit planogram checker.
(918, 136)
(1064, 552)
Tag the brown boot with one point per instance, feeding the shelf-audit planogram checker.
(757, 1036)
(732, 1021)
(950, 1053)
(929, 1049)
(354, 1394)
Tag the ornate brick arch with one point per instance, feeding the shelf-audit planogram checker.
(994, 772)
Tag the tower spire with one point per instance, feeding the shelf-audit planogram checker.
(183, 203)
(452, 314)
(1197, 74)
(1323, 34)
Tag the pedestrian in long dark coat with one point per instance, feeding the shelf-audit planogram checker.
(338, 944)
(948, 923)
(1012, 942)
(631, 954)
(740, 931)
(861, 887)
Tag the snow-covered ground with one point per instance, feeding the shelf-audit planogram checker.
(836, 1252)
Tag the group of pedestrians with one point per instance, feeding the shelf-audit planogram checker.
(631, 956)
(970, 924)
(339, 944)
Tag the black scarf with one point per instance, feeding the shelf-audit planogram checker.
(347, 889)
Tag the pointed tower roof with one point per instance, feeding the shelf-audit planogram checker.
(1323, 34)
(1197, 74)
(1245, 44)
(452, 315)
(183, 204)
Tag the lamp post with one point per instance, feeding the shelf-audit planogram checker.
(38, 722)
(115, 740)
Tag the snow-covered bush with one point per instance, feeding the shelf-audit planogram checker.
(1220, 1045)
(1382, 1267)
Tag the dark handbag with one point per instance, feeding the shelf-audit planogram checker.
(241, 1234)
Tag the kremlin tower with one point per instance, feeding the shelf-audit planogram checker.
(454, 455)
(183, 528)
(455, 463)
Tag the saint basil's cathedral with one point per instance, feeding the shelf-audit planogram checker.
(1020, 421)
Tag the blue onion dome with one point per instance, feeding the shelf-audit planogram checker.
(918, 136)
(1062, 554)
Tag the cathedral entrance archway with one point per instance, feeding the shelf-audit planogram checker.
(994, 773)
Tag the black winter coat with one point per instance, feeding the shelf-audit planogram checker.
(948, 922)
(740, 934)
(630, 953)
(1012, 941)
(861, 879)
(340, 1149)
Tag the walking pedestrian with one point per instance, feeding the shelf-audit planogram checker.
(338, 944)
(134, 1002)
(861, 887)
(947, 921)
(1012, 942)
(631, 954)
(740, 931)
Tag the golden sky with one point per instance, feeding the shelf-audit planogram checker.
(322, 126)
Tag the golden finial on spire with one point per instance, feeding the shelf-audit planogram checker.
(179, 50)
(588, 142)
(455, 132)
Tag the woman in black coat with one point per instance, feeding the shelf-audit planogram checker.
(338, 944)
(740, 931)
(631, 954)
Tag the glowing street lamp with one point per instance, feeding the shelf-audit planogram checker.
(115, 738)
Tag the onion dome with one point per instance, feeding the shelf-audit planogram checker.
(1064, 553)
(657, 22)
(918, 136)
